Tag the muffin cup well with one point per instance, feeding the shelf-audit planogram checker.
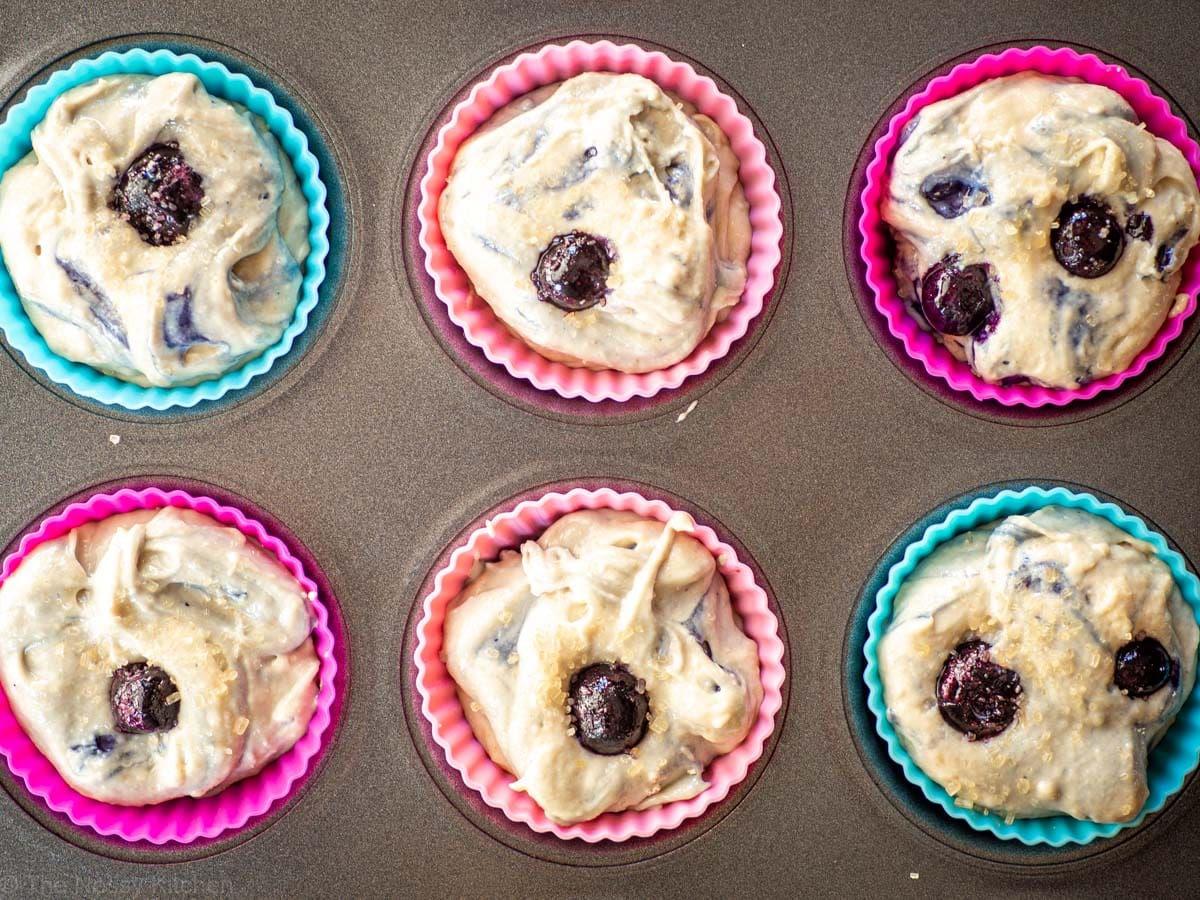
(219, 81)
(439, 695)
(481, 326)
(1170, 762)
(185, 819)
(877, 248)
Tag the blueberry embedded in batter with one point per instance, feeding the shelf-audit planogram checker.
(602, 664)
(144, 699)
(952, 195)
(957, 299)
(609, 708)
(1031, 664)
(156, 654)
(1087, 238)
(975, 695)
(1053, 186)
(159, 194)
(155, 232)
(572, 272)
(658, 239)
(1143, 667)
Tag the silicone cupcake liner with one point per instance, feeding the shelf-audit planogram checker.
(877, 243)
(481, 326)
(439, 697)
(1170, 763)
(221, 82)
(186, 819)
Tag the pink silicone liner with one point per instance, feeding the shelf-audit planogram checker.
(556, 63)
(877, 243)
(451, 731)
(186, 819)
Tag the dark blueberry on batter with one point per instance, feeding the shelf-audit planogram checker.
(1140, 227)
(951, 196)
(1142, 668)
(178, 329)
(1164, 259)
(143, 699)
(159, 194)
(975, 695)
(609, 708)
(956, 300)
(678, 179)
(1087, 240)
(572, 272)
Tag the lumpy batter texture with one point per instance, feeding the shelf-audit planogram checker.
(643, 189)
(154, 232)
(1040, 228)
(1031, 664)
(156, 654)
(615, 625)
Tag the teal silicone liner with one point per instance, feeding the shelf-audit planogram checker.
(221, 82)
(1170, 763)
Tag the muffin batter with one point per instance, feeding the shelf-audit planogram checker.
(154, 232)
(650, 190)
(156, 654)
(1030, 665)
(1040, 228)
(642, 604)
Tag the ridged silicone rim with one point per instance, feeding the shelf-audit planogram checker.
(480, 325)
(876, 247)
(221, 82)
(186, 819)
(439, 697)
(1170, 763)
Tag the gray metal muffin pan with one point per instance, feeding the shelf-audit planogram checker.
(811, 447)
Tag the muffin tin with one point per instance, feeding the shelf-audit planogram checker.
(810, 448)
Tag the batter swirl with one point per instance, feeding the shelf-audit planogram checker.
(156, 654)
(603, 665)
(643, 188)
(155, 232)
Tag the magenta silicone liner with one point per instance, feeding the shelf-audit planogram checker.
(555, 63)
(877, 244)
(186, 819)
(451, 731)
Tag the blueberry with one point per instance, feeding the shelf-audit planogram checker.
(609, 708)
(143, 699)
(951, 196)
(1087, 238)
(679, 183)
(956, 300)
(178, 329)
(1164, 259)
(1142, 668)
(572, 272)
(975, 695)
(159, 195)
(1140, 227)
